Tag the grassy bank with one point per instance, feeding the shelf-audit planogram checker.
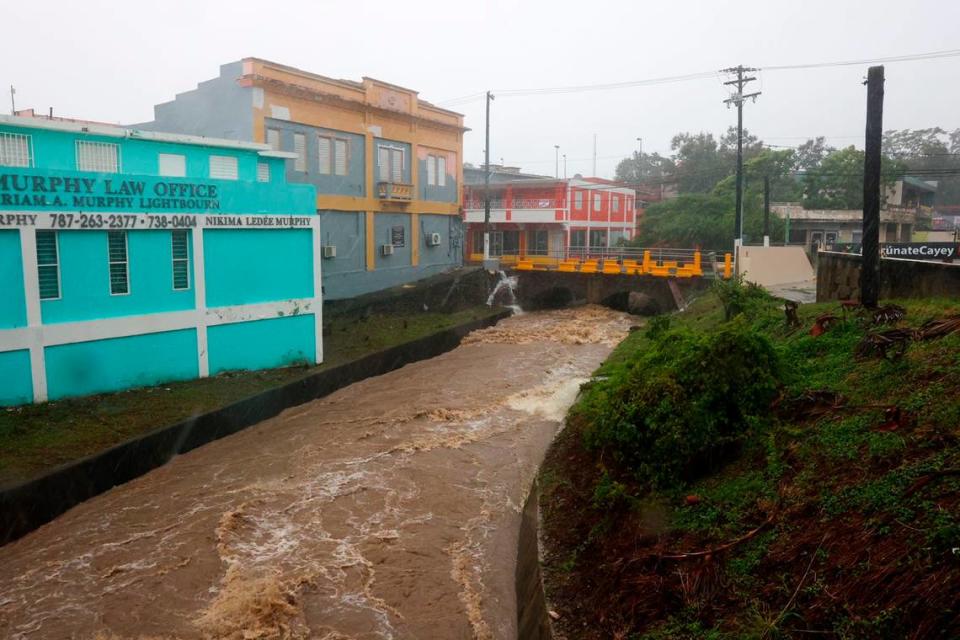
(741, 478)
(36, 438)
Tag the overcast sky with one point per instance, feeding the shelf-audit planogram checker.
(112, 61)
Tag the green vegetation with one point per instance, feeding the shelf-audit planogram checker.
(37, 438)
(728, 476)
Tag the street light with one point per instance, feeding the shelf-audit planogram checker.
(556, 148)
(640, 146)
(564, 166)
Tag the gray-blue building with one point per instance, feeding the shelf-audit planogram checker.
(387, 166)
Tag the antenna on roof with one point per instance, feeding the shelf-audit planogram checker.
(13, 104)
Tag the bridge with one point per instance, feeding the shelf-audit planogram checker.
(656, 262)
(665, 277)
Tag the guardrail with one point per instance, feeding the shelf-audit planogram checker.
(654, 261)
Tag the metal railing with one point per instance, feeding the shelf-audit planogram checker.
(517, 203)
(661, 261)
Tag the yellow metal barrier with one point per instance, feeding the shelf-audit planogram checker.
(568, 266)
(727, 266)
(588, 266)
(525, 265)
(611, 268)
(631, 267)
(647, 263)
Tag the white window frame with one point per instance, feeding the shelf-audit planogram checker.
(7, 155)
(391, 173)
(175, 158)
(56, 249)
(125, 262)
(101, 148)
(230, 160)
(441, 171)
(597, 201)
(614, 203)
(174, 259)
(263, 172)
(578, 199)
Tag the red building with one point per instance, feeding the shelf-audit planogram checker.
(549, 219)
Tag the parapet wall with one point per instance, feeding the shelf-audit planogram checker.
(838, 278)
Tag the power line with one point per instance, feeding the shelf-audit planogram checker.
(702, 75)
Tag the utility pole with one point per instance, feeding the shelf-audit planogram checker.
(564, 166)
(738, 99)
(766, 211)
(486, 187)
(556, 153)
(13, 103)
(870, 261)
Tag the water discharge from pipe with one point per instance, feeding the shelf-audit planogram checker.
(509, 285)
(389, 509)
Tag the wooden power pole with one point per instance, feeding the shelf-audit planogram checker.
(870, 261)
(738, 99)
(486, 185)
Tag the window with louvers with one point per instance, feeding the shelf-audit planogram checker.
(340, 149)
(431, 170)
(181, 260)
(323, 144)
(223, 167)
(441, 171)
(273, 139)
(383, 162)
(48, 265)
(102, 157)
(117, 254)
(300, 148)
(396, 165)
(263, 172)
(16, 150)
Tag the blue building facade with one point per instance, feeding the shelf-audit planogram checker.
(131, 258)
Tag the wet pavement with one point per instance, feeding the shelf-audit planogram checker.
(389, 509)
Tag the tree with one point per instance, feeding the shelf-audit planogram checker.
(932, 154)
(811, 153)
(837, 182)
(752, 146)
(642, 168)
(698, 161)
(704, 221)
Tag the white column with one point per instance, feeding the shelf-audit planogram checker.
(200, 302)
(31, 290)
(317, 285)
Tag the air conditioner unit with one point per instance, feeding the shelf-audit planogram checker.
(386, 250)
(330, 251)
(433, 240)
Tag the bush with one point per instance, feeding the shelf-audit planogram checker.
(684, 403)
(738, 297)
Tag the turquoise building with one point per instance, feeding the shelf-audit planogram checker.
(131, 258)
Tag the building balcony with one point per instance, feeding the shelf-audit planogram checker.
(395, 191)
(517, 203)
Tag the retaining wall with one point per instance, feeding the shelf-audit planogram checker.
(838, 277)
(533, 620)
(26, 506)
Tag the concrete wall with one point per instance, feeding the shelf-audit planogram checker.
(772, 266)
(219, 108)
(537, 287)
(838, 278)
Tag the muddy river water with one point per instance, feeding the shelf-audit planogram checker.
(389, 509)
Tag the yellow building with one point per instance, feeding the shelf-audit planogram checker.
(387, 165)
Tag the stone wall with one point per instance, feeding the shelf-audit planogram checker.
(838, 278)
